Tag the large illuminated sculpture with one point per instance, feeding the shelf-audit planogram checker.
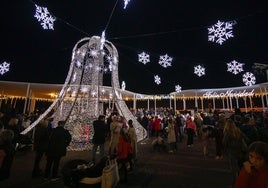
(79, 101)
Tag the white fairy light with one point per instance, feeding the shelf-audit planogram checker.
(4, 67)
(78, 64)
(74, 77)
(144, 58)
(44, 17)
(102, 40)
(123, 85)
(249, 79)
(165, 61)
(199, 70)
(220, 32)
(235, 67)
(94, 53)
(84, 89)
(126, 3)
(157, 79)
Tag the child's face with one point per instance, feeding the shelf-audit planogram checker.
(256, 160)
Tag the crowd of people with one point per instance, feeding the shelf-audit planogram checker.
(233, 134)
(47, 141)
(241, 137)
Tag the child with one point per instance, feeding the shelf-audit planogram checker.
(159, 143)
(254, 172)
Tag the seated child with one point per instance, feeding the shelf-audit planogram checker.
(159, 144)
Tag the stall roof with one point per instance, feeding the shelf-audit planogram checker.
(48, 91)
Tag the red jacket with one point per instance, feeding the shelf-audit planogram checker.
(157, 124)
(124, 148)
(256, 179)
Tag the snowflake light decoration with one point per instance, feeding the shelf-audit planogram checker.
(144, 58)
(165, 61)
(157, 79)
(126, 3)
(235, 67)
(4, 67)
(199, 70)
(249, 79)
(220, 32)
(178, 88)
(44, 17)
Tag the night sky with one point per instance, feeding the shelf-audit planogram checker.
(174, 27)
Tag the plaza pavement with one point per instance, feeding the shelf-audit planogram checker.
(186, 168)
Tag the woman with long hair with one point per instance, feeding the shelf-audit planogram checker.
(234, 146)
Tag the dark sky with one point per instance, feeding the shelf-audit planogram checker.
(174, 27)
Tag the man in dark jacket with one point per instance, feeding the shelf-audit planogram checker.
(100, 132)
(59, 139)
(41, 136)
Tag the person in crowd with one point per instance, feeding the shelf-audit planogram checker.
(115, 133)
(145, 122)
(13, 125)
(171, 137)
(179, 122)
(125, 153)
(159, 143)
(250, 129)
(234, 145)
(7, 150)
(205, 139)
(191, 130)
(1, 122)
(41, 138)
(59, 139)
(157, 125)
(133, 138)
(218, 130)
(199, 123)
(254, 172)
(99, 137)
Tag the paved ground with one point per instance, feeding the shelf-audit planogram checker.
(186, 168)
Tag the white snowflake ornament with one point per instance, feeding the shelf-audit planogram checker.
(44, 17)
(4, 67)
(199, 70)
(157, 79)
(249, 79)
(178, 88)
(235, 67)
(220, 32)
(144, 58)
(165, 61)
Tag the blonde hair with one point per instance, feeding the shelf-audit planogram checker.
(231, 129)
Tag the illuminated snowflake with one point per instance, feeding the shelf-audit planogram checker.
(220, 32)
(234, 67)
(157, 79)
(144, 58)
(4, 67)
(126, 3)
(249, 79)
(178, 88)
(44, 17)
(165, 61)
(199, 70)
